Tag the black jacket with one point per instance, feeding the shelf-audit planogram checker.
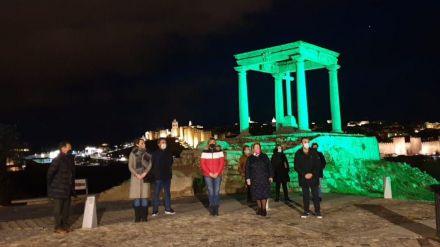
(162, 164)
(61, 177)
(307, 163)
(323, 163)
(281, 173)
(258, 168)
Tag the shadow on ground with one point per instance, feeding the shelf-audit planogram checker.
(400, 220)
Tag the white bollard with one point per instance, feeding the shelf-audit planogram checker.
(387, 192)
(90, 219)
(267, 204)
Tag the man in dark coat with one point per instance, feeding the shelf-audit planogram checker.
(308, 166)
(280, 166)
(162, 169)
(61, 186)
(321, 172)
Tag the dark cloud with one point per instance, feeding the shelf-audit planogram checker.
(46, 44)
(100, 70)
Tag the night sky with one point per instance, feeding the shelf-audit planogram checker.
(93, 71)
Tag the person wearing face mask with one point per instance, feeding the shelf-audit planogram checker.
(61, 186)
(139, 164)
(308, 165)
(162, 160)
(259, 176)
(242, 169)
(280, 166)
(212, 163)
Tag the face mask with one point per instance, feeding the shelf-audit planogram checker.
(306, 145)
(280, 150)
(258, 151)
(163, 146)
(212, 146)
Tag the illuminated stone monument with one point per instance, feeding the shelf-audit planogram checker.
(280, 61)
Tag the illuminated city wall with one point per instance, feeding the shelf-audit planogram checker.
(190, 135)
(414, 147)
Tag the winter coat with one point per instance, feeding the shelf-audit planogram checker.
(139, 162)
(259, 170)
(242, 165)
(61, 177)
(162, 164)
(212, 161)
(279, 162)
(323, 163)
(307, 163)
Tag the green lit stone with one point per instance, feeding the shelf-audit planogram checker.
(280, 61)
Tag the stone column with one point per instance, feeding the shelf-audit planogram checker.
(279, 100)
(334, 98)
(289, 93)
(289, 119)
(303, 112)
(243, 100)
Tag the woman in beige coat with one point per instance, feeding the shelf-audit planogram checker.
(139, 164)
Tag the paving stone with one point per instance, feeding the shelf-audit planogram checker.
(348, 221)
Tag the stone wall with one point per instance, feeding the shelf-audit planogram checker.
(353, 167)
(414, 147)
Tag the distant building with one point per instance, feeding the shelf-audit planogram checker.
(190, 135)
(175, 128)
(435, 125)
(415, 146)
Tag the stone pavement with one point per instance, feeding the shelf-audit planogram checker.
(348, 221)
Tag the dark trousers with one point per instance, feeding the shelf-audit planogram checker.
(277, 190)
(61, 213)
(306, 197)
(158, 186)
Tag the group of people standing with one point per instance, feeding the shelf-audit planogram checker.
(146, 169)
(259, 172)
(155, 169)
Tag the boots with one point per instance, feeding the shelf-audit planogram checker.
(211, 210)
(137, 214)
(263, 212)
(216, 210)
(143, 214)
(258, 211)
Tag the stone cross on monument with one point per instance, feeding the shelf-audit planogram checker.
(280, 61)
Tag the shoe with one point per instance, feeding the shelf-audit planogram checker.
(60, 231)
(264, 213)
(216, 210)
(170, 211)
(155, 213)
(211, 210)
(318, 215)
(305, 215)
(288, 199)
(258, 211)
(68, 229)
